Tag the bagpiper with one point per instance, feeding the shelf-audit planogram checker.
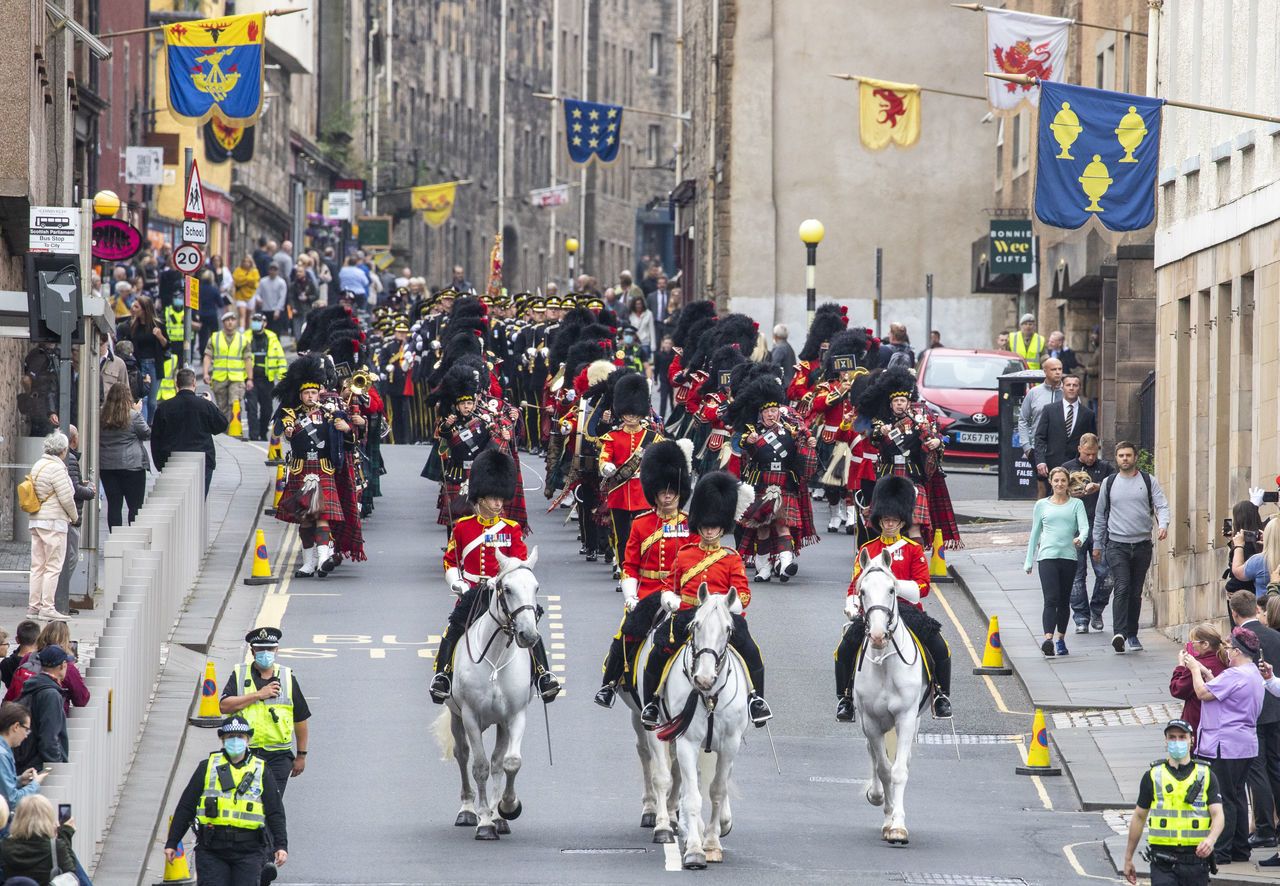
(462, 434)
(470, 561)
(314, 435)
(777, 461)
(657, 535)
(892, 507)
(621, 450)
(717, 501)
(828, 319)
(845, 458)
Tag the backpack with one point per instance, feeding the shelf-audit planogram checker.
(28, 500)
(1106, 487)
(26, 755)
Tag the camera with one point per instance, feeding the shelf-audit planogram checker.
(64, 813)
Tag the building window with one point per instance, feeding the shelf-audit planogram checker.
(1128, 62)
(655, 53)
(1104, 70)
(999, 153)
(655, 141)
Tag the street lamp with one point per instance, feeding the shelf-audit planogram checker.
(571, 247)
(811, 232)
(106, 203)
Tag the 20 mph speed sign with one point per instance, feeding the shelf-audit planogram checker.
(187, 258)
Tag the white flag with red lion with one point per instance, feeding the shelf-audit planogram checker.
(1021, 43)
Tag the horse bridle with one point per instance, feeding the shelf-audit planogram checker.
(507, 624)
(710, 697)
(892, 616)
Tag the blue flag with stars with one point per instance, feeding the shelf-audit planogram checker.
(592, 129)
(1096, 157)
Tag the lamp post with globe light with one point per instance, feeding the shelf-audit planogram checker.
(811, 234)
(571, 247)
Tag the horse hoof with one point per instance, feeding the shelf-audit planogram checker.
(513, 814)
(695, 861)
(487, 832)
(648, 819)
(502, 826)
(466, 820)
(726, 827)
(715, 856)
(663, 835)
(897, 836)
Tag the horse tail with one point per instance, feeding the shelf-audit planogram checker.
(679, 724)
(442, 728)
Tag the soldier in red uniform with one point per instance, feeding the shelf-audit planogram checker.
(657, 535)
(829, 319)
(470, 561)
(892, 505)
(831, 420)
(620, 453)
(717, 501)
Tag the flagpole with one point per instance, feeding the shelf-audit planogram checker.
(582, 169)
(981, 98)
(1024, 80)
(461, 181)
(502, 119)
(158, 28)
(554, 143)
(551, 97)
(978, 7)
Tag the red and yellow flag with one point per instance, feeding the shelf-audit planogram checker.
(888, 112)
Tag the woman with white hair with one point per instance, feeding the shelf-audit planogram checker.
(49, 525)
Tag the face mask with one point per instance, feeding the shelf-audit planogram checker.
(235, 747)
(256, 325)
(1179, 750)
(264, 660)
(177, 302)
(629, 338)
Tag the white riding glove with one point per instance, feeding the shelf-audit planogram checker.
(852, 607)
(630, 593)
(608, 469)
(453, 578)
(670, 602)
(1255, 495)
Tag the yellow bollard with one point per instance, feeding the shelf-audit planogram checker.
(938, 561)
(235, 430)
(208, 714)
(261, 572)
(993, 655)
(1038, 762)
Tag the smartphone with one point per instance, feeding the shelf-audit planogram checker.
(1226, 528)
(64, 813)
(75, 648)
(1272, 497)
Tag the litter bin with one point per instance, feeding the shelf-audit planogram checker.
(1017, 475)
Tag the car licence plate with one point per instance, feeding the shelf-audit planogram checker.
(978, 438)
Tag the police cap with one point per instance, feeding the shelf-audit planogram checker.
(264, 637)
(235, 725)
(1179, 724)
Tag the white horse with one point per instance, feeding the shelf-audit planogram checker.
(492, 687)
(890, 687)
(707, 688)
(649, 748)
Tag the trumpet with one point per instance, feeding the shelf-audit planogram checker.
(360, 382)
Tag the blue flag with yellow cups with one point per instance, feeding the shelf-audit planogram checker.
(216, 64)
(1096, 157)
(592, 129)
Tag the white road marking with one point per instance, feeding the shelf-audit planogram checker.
(671, 853)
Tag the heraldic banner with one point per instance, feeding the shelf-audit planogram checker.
(216, 65)
(888, 112)
(1096, 157)
(1021, 43)
(435, 201)
(592, 130)
(223, 141)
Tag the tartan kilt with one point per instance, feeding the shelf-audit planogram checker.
(291, 508)
(941, 513)
(451, 503)
(348, 535)
(920, 514)
(517, 510)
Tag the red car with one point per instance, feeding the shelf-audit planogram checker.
(960, 387)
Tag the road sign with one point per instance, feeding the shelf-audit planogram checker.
(55, 229)
(195, 231)
(340, 204)
(194, 207)
(188, 258)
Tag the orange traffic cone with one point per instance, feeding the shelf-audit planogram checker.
(1038, 762)
(235, 430)
(208, 714)
(938, 561)
(177, 871)
(993, 655)
(275, 501)
(261, 572)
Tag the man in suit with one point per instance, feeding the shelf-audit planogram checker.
(1264, 772)
(660, 306)
(1061, 426)
(1056, 347)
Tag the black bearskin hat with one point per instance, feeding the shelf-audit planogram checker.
(718, 501)
(308, 369)
(746, 372)
(848, 351)
(893, 497)
(829, 319)
(875, 402)
(566, 334)
(344, 345)
(666, 464)
(699, 345)
(690, 315)
(631, 396)
(761, 392)
(462, 381)
(458, 348)
(720, 370)
(492, 473)
(316, 332)
(581, 354)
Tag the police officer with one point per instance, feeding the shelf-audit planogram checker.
(1179, 799)
(232, 799)
(268, 698)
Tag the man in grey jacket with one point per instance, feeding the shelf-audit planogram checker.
(1047, 392)
(1130, 505)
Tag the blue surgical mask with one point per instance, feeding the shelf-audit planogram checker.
(255, 325)
(177, 302)
(264, 660)
(1179, 750)
(629, 338)
(235, 747)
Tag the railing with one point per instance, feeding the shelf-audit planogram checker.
(149, 569)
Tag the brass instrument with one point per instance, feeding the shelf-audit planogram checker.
(358, 383)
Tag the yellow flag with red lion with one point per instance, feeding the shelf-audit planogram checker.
(888, 113)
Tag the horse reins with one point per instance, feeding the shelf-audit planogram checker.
(893, 620)
(710, 700)
(506, 626)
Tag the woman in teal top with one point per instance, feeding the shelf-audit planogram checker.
(1058, 527)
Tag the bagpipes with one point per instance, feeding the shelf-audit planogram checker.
(628, 468)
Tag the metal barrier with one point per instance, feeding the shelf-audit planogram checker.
(149, 570)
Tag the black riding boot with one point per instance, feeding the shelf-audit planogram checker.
(742, 641)
(548, 685)
(442, 683)
(941, 655)
(614, 667)
(653, 668)
(846, 655)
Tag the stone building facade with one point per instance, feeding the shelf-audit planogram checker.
(1217, 269)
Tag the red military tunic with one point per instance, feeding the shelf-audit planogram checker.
(909, 563)
(721, 569)
(651, 550)
(616, 448)
(800, 381)
(474, 544)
